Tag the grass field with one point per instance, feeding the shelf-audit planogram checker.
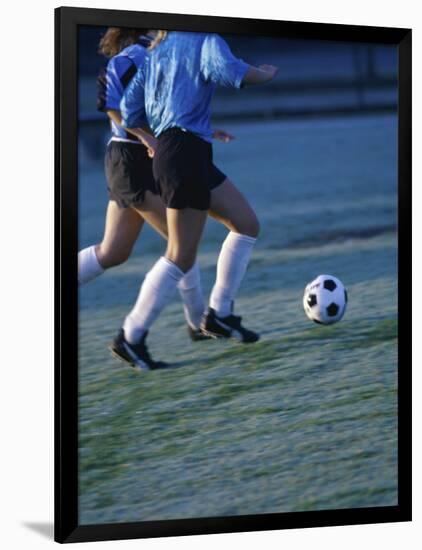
(306, 419)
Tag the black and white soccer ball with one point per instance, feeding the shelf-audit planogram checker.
(325, 300)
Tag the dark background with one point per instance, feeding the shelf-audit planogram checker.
(316, 78)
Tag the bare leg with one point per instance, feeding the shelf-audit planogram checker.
(185, 232)
(153, 211)
(231, 208)
(122, 228)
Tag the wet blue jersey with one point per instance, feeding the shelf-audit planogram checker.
(113, 80)
(174, 87)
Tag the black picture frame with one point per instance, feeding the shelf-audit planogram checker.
(67, 529)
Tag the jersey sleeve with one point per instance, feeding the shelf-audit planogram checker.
(112, 82)
(219, 65)
(132, 105)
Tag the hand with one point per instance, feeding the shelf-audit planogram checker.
(271, 70)
(150, 143)
(222, 135)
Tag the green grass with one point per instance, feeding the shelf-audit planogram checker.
(304, 419)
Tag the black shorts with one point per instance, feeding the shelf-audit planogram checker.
(128, 171)
(184, 171)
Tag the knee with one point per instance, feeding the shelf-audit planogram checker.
(183, 260)
(253, 228)
(111, 257)
(248, 226)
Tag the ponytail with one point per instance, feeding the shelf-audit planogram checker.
(159, 37)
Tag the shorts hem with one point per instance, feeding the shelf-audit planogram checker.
(127, 203)
(184, 207)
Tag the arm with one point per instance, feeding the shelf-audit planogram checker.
(259, 75)
(111, 82)
(143, 134)
(220, 66)
(132, 104)
(222, 135)
(133, 115)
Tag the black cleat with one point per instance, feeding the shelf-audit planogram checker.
(136, 355)
(196, 335)
(226, 327)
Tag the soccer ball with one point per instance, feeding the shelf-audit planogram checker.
(325, 300)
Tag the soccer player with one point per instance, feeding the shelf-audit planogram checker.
(173, 91)
(132, 192)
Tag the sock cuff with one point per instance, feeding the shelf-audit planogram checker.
(173, 270)
(93, 255)
(232, 236)
(190, 279)
(88, 265)
(96, 257)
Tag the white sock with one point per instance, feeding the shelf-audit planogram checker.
(231, 268)
(191, 293)
(88, 265)
(156, 292)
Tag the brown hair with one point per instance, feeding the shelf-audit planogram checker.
(159, 37)
(116, 38)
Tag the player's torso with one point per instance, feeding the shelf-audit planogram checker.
(120, 70)
(175, 92)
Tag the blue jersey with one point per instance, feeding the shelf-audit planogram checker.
(174, 87)
(113, 80)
